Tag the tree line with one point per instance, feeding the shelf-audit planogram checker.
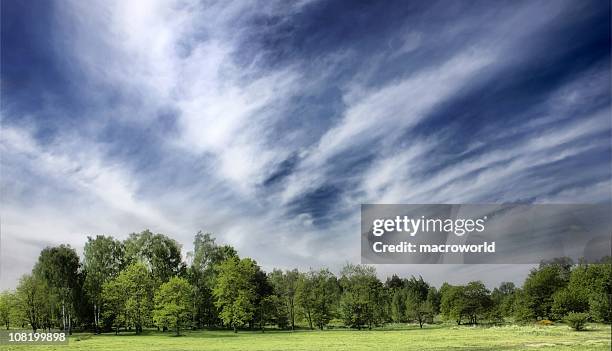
(144, 282)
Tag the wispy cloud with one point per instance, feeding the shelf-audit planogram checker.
(269, 123)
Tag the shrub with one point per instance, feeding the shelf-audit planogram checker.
(576, 320)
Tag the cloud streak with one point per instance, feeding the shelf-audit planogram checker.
(269, 123)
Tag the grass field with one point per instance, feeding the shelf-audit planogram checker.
(560, 337)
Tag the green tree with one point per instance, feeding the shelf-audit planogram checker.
(433, 298)
(452, 302)
(521, 311)
(563, 266)
(588, 290)
(569, 300)
(31, 297)
(577, 320)
(129, 297)
(103, 259)
(325, 292)
(59, 268)
(205, 256)
(263, 303)
(161, 255)
(7, 308)
(536, 299)
(398, 305)
(138, 286)
(317, 293)
(234, 291)
(418, 309)
(416, 306)
(285, 287)
(503, 298)
(397, 293)
(173, 304)
(363, 300)
(113, 297)
(477, 301)
(305, 296)
(471, 302)
(596, 283)
(395, 282)
(417, 286)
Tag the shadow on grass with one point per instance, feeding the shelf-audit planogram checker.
(198, 335)
(228, 333)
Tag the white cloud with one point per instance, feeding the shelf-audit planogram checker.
(187, 57)
(183, 55)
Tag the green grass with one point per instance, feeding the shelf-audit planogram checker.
(438, 337)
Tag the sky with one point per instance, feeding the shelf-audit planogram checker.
(268, 123)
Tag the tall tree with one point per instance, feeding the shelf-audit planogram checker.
(59, 268)
(103, 259)
(471, 302)
(304, 296)
(536, 298)
(417, 286)
(477, 301)
(161, 254)
(235, 291)
(113, 297)
(452, 302)
(263, 301)
(31, 297)
(285, 287)
(395, 282)
(205, 256)
(130, 296)
(325, 294)
(433, 298)
(503, 298)
(417, 308)
(138, 285)
(7, 308)
(398, 304)
(588, 290)
(173, 304)
(362, 302)
(416, 292)
(563, 265)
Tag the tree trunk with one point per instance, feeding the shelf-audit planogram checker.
(194, 314)
(95, 319)
(292, 312)
(63, 316)
(261, 320)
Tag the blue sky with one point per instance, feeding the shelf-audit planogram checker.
(269, 123)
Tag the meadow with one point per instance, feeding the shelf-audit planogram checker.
(432, 337)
